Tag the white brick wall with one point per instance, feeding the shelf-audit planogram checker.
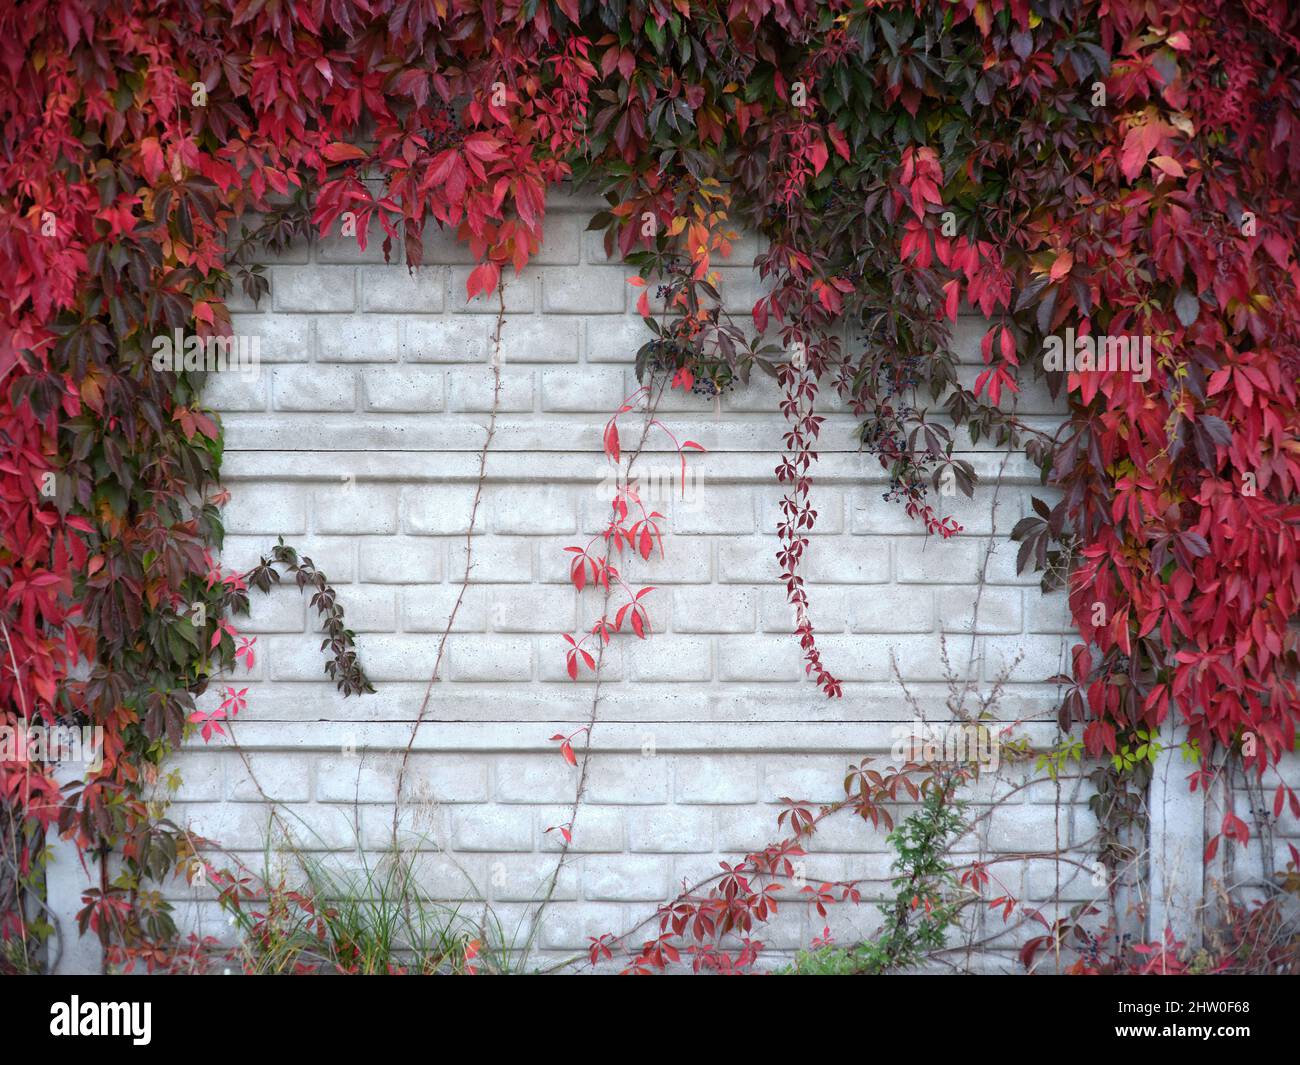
(359, 441)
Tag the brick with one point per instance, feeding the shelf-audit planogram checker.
(554, 664)
(427, 609)
(202, 774)
(669, 659)
(727, 510)
(535, 778)
(489, 658)
(421, 827)
(1047, 613)
(852, 658)
(533, 609)
(1028, 659)
(983, 609)
(686, 560)
(452, 878)
(827, 607)
(875, 869)
(628, 779)
(669, 829)
(892, 608)
(747, 560)
(611, 339)
(450, 778)
(561, 239)
(335, 556)
(627, 879)
(930, 658)
(593, 248)
(586, 290)
(599, 829)
(356, 338)
(236, 391)
(571, 928)
(282, 610)
(357, 778)
(852, 835)
(496, 559)
(271, 509)
(527, 878)
(236, 825)
(1025, 828)
(928, 560)
(313, 288)
(280, 337)
(314, 388)
(1001, 567)
(402, 560)
(744, 829)
(816, 778)
(441, 246)
(491, 828)
(1076, 883)
(598, 390)
(531, 510)
(365, 609)
(398, 290)
(720, 781)
(712, 610)
(741, 288)
(439, 510)
(451, 339)
(392, 658)
(836, 561)
(471, 390)
(357, 508)
(539, 340)
(402, 390)
(758, 659)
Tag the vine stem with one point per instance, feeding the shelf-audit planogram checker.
(451, 619)
(469, 551)
(584, 761)
(799, 386)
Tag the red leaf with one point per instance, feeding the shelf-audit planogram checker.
(837, 139)
(483, 278)
(819, 155)
(611, 441)
(340, 151)
(151, 159)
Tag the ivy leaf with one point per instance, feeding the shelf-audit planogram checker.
(340, 152)
(1187, 307)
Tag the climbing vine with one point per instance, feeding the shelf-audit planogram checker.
(1103, 168)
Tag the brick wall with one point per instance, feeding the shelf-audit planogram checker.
(359, 443)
